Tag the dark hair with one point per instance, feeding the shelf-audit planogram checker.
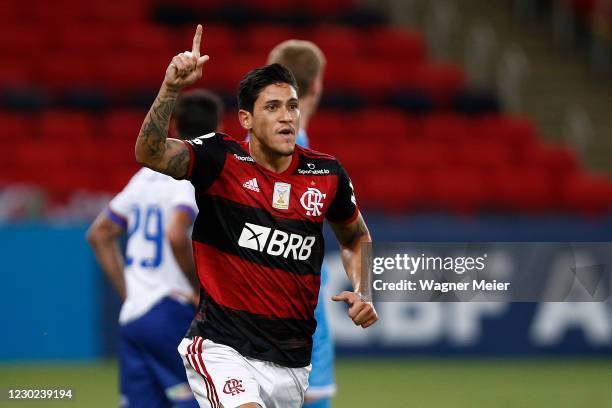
(197, 113)
(252, 84)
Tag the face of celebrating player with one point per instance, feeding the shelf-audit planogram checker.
(275, 119)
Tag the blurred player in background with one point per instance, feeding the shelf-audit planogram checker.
(307, 63)
(257, 240)
(156, 281)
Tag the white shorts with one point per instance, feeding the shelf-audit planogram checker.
(219, 376)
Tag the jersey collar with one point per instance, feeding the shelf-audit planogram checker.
(292, 166)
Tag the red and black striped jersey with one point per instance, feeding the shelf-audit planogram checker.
(258, 245)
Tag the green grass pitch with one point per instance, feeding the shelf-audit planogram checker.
(399, 382)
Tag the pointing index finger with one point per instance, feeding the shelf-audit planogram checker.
(197, 38)
(344, 296)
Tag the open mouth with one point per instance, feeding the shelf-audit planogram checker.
(286, 131)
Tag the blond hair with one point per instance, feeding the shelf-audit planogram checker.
(303, 58)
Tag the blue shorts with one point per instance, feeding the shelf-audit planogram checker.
(150, 369)
(321, 383)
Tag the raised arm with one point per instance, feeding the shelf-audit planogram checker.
(351, 238)
(153, 147)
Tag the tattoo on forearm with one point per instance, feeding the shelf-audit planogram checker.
(178, 164)
(154, 130)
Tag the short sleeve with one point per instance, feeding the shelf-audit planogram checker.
(119, 207)
(344, 207)
(206, 159)
(184, 198)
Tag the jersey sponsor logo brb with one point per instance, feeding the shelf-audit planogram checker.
(276, 242)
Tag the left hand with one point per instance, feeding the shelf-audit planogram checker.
(362, 313)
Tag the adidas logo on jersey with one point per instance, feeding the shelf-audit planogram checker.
(283, 244)
(252, 185)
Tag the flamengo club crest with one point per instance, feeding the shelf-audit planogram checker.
(312, 201)
(233, 387)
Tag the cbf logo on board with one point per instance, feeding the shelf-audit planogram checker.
(312, 201)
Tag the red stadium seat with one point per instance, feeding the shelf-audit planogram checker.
(201, 6)
(231, 126)
(130, 12)
(217, 40)
(272, 7)
(261, 38)
(375, 159)
(62, 72)
(127, 73)
(68, 11)
(559, 159)
(85, 39)
(11, 11)
(448, 127)
(330, 128)
(16, 72)
(15, 126)
(123, 124)
(384, 125)
(150, 38)
(67, 125)
(62, 181)
(227, 71)
(341, 42)
(121, 154)
(394, 190)
(588, 194)
(335, 74)
(9, 169)
(20, 39)
(394, 44)
(41, 155)
(483, 155)
(515, 131)
(441, 161)
(217, 76)
(530, 189)
(422, 154)
(458, 189)
(120, 175)
(370, 78)
(439, 81)
(327, 8)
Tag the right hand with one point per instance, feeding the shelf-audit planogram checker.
(186, 67)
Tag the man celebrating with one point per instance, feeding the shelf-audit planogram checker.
(258, 243)
(306, 62)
